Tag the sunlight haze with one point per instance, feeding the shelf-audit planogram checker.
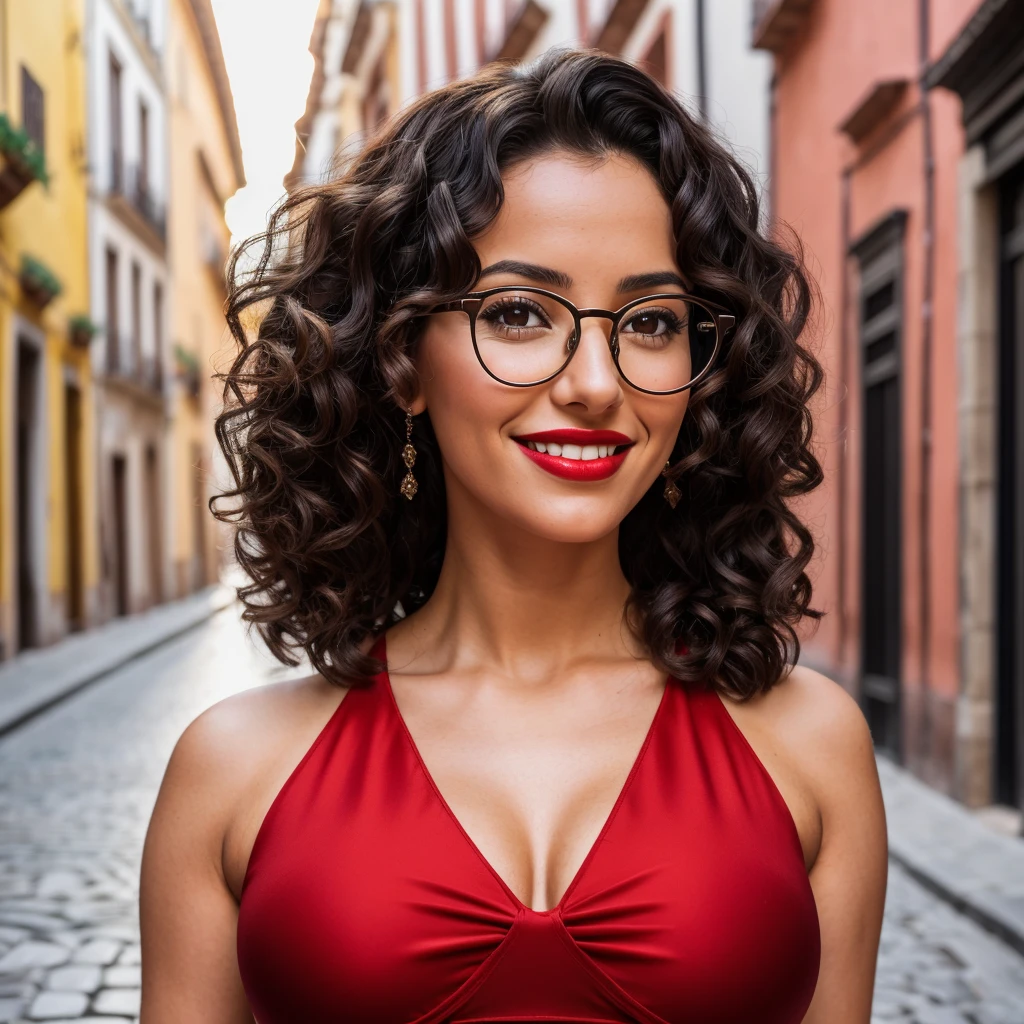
(266, 52)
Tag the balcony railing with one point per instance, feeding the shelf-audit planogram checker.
(124, 364)
(776, 22)
(116, 173)
(140, 194)
(135, 187)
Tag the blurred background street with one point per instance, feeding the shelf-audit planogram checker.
(141, 139)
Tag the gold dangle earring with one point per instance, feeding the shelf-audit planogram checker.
(409, 485)
(672, 492)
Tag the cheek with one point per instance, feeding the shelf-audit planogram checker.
(467, 407)
(663, 418)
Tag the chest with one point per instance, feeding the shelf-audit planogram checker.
(533, 784)
(366, 890)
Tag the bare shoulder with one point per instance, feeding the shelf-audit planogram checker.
(813, 739)
(828, 737)
(822, 708)
(236, 737)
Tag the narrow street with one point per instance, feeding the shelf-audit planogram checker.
(77, 785)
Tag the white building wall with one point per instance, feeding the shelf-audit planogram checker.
(433, 15)
(739, 84)
(561, 28)
(737, 77)
(135, 33)
(107, 230)
(141, 79)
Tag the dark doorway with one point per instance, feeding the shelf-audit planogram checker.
(119, 522)
(880, 254)
(73, 500)
(154, 526)
(28, 479)
(1009, 709)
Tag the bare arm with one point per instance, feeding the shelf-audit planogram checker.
(188, 914)
(849, 875)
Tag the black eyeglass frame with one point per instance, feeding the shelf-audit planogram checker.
(471, 303)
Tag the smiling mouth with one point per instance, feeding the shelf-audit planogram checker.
(578, 455)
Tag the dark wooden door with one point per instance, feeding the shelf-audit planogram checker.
(73, 504)
(119, 499)
(881, 328)
(28, 471)
(1009, 710)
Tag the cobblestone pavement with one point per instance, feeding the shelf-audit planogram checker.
(77, 786)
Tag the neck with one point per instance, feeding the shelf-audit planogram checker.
(524, 604)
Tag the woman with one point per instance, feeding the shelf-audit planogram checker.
(513, 442)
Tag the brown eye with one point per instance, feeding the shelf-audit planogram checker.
(652, 323)
(645, 323)
(516, 316)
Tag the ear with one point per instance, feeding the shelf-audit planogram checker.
(418, 404)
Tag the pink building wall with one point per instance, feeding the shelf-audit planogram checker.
(822, 76)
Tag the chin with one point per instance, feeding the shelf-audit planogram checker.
(568, 520)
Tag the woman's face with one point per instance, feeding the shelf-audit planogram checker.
(584, 226)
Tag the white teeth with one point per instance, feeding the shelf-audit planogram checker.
(583, 453)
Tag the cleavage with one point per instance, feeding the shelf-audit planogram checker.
(533, 797)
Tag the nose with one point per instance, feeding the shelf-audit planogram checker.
(591, 379)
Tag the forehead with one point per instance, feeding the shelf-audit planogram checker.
(575, 207)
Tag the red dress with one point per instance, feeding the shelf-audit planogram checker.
(365, 900)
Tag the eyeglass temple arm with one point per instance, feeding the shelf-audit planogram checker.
(457, 306)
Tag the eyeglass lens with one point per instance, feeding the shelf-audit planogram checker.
(663, 344)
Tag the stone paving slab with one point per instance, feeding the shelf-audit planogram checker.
(39, 678)
(946, 848)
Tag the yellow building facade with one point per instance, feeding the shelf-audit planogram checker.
(49, 563)
(206, 170)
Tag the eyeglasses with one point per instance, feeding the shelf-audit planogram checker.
(661, 344)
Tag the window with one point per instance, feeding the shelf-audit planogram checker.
(158, 335)
(137, 319)
(113, 334)
(143, 150)
(116, 128)
(32, 111)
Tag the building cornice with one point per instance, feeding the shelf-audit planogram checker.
(202, 11)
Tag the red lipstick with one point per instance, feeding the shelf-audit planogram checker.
(608, 450)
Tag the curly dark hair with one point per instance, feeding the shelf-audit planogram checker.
(327, 317)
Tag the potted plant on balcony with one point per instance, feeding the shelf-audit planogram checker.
(21, 162)
(188, 371)
(81, 330)
(38, 282)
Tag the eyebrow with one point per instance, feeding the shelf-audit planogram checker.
(546, 275)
